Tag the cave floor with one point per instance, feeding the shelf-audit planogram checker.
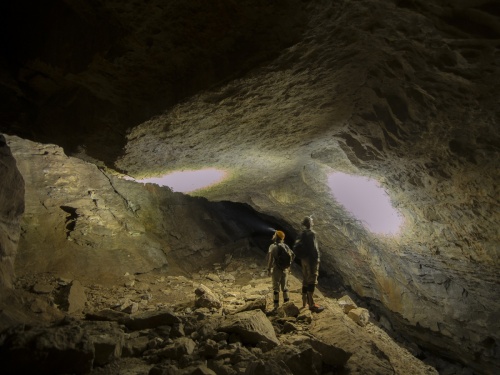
(240, 279)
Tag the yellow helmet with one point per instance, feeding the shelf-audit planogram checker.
(280, 234)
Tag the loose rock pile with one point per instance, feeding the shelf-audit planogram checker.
(212, 322)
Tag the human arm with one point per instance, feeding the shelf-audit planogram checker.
(270, 259)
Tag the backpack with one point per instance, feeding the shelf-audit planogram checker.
(284, 256)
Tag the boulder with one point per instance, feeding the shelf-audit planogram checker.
(267, 367)
(200, 370)
(76, 297)
(206, 298)
(182, 346)
(301, 359)
(107, 315)
(251, 326)
(66, 349)
(288, 309)
(134, 347)
(108, 340)
(346, 303)
(360, 315)
(331, 354)
(151, 319)
(258, 304)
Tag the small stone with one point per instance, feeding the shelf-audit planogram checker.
(360, 315)
(129, 284)
(43, 288)
(213, 277)
(346, 303)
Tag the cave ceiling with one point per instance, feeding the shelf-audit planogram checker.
(280, 95)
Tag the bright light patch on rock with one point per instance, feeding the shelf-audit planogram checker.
(188, 181)
(367, 201)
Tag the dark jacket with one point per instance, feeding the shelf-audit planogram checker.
(308, 244)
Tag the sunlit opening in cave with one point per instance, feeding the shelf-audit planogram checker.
(367, 201)
(188, 181)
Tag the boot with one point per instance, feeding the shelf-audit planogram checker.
(313, 306)
(304, 300)
(276, 300)
(286, 298)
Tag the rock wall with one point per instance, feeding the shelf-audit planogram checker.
(405, 92)
(11, 210)
(84, 222)
(399, 92)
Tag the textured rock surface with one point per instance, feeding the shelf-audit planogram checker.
(405, 92)
(11, 209)
(251, 326)
(105, 66)
(85, 223)
(111, 342)
(403, 96)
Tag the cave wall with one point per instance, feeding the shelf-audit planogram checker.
(397, 91)
(405, 92)
(11, 211)
(89, 223)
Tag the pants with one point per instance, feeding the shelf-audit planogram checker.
(310, 271)
(280, 282)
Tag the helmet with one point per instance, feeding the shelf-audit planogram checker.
(307, 221)
(280, 234)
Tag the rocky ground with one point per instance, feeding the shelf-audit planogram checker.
(218, 320)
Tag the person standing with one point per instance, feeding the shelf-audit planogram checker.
(307, 246)
(280, 258)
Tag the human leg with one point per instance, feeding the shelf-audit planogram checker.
(276, 279)
(312, 281)
(284, 286)
(305, 277)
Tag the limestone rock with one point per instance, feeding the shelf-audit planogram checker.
(151, 319)
(360, 315)
(331, 354)
(129, 307)
(181, 346)
(87, 211)
(11, 209)
(202, 370)
(267, 367)
(404, 92)
(221, 368)
(288, 309)
(209, 349)
(134, 347)
(43, 288)
(107, 315)
(347, 304)
(301, 359)
(76, 297)
(258, 304)
(107, 339)
(289, 327)
(252, 326)
(206, 298)
(63, 349)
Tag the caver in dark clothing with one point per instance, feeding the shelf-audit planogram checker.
(307, 246)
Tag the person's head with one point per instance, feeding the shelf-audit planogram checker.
(279, 236)
(308, 222)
